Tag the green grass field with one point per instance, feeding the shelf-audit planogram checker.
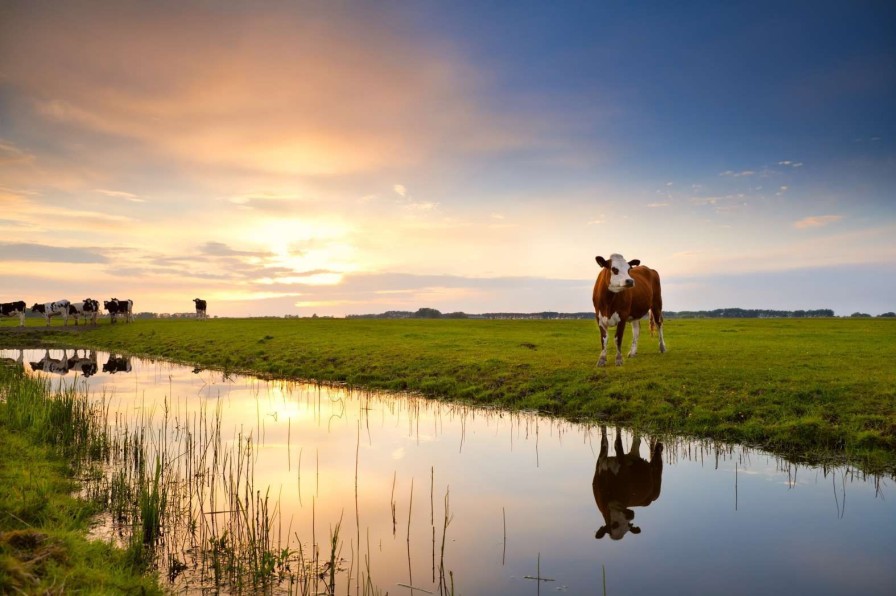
(809, 389)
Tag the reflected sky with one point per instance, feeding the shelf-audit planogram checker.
(519, 490)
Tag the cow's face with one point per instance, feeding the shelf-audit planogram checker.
(618, 268)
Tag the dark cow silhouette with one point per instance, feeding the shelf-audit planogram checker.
(624, 481)
(87, 365)
(116, 364)
(200, 308)
(14, 309)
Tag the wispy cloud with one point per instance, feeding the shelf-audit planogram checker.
(23, 251)
(816, 221)
(120, 194)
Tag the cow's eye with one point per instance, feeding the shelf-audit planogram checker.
(615, 271)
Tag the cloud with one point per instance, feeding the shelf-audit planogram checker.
(816, 221)
(119, 194)
(791, 164)
(286, 91)
(733, 174)
(24, 251)
(219, 249)
(400, 190)
(10, 154)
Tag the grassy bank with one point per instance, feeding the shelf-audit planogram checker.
(810, 389)
(43, 528)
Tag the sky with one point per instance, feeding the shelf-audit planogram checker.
(338, 158)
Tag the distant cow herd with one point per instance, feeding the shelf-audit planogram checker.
(88, 309)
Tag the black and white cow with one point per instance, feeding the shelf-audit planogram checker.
(57, 366)
(200, 308)
(86, 366)
(120, 307)
(52, 309)
(117, 364)
(88, 309)
(12, 309)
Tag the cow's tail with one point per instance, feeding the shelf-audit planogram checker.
(652, 323)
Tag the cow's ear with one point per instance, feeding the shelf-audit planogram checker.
(601, 533)
(634, 262)
(601, 261)
(635, 530)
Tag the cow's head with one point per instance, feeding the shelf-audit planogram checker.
(37, 307)
(619, 524)
(618, 268)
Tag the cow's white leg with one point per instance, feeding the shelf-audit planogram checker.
(22, 319)
(636, 332)
(662, 343)
(603, 346)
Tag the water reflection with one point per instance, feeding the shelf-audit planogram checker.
(623, 481)
(382, 467)
(117, 364)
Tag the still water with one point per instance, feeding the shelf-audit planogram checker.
(533, 505)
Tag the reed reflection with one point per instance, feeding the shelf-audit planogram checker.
(623, 481)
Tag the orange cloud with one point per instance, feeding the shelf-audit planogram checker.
(271, 91)
(816, 221)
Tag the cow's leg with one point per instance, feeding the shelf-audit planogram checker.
(636, 333)
(604, 450)
(47, 317)
(635, 449)
(22, 319)
(620, 331)
(603, 345)
(617, 444)
(657, 312)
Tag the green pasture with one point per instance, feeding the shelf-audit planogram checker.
(809, 389)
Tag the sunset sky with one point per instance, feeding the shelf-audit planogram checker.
(356, 157)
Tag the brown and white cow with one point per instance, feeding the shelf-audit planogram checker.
(624, 481)
(626, 291)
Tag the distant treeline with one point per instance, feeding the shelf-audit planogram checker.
(719, 313)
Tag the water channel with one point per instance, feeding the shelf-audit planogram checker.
(534, 505)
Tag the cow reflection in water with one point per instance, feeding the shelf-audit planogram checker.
(624, 481)
(86, 366)
(57, 366)
(117, 364)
